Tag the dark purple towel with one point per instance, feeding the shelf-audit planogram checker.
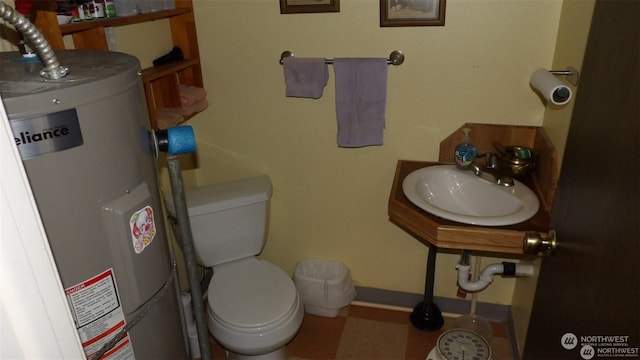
(361, 97)
(305, 77)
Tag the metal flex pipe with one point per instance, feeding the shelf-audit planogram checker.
(177, 190)
(175, 141)
(52, 68)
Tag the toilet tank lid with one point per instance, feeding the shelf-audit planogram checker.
(217, 197)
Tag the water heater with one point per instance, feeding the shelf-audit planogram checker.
(85, 143)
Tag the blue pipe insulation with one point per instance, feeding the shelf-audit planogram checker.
(176, 140)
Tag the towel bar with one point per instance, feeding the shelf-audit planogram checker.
(395, 58)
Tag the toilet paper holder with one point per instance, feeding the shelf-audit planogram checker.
(553, 90)
(572, 75)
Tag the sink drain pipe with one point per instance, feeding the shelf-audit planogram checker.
(486, 276)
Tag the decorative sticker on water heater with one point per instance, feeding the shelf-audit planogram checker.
(143, 228)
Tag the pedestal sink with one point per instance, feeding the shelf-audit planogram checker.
(462, 196)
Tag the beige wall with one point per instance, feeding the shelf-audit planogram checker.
(330, 202)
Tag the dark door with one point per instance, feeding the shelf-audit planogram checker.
(587, 303)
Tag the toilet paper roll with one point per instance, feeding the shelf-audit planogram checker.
(550, 87)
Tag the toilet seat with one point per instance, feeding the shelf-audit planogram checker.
(251, 295)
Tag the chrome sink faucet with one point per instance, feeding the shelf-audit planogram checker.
(490, 171)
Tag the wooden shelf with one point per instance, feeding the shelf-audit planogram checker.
(161, 83)
(75, 27)
(157, 72)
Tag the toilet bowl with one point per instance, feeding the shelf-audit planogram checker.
(253, 307)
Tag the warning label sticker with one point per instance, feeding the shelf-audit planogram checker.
(97, 312)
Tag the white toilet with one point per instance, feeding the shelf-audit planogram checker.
(253, 306)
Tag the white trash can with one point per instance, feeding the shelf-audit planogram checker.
(325, 286)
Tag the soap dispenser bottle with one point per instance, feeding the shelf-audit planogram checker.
(465, 153)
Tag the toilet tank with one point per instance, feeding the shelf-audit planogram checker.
(229, 221)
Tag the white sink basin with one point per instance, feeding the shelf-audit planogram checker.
(460, 195)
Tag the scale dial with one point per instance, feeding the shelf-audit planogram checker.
(462, 344)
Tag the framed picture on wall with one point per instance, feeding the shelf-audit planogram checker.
(412, 12)
(309, 6)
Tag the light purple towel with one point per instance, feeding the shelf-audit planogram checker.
(361, 97)
(305, 77)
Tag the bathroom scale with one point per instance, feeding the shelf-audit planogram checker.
(460, 344)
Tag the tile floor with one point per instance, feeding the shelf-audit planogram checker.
(361, 332)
